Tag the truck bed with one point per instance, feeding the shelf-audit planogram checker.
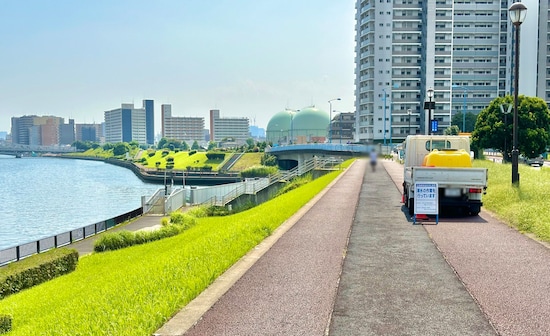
(448, 177)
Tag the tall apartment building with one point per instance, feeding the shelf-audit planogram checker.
(228, 128)
(149, 107)
(127, 124)
(461, 48)
(187, 129)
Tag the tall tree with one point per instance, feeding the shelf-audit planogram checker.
(464, 124)
(494, 129)
(451, 130)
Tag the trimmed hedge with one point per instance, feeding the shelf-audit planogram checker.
(120, 239)
(258, 171)
(36, 269)
(215, 156)
(5, 323)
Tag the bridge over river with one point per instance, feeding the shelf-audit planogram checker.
(290, 156)
(29, 150)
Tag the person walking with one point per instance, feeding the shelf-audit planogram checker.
(373, 159)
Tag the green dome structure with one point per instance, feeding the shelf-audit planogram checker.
(278, 127)
(307, 125)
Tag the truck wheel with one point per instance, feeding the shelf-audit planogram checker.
(474, 210)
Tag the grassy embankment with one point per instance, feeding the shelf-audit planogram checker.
(525, 208)
(182, 159)
(134, 291)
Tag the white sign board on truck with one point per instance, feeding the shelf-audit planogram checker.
(426, 198)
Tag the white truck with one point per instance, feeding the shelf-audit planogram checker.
(446, 160)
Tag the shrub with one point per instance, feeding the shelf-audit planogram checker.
(117, 240)
(258, 171)
(192, 152)
(36, 270)
(295, 183)
(198, 212)
(184, 220)
(5, 323)
(215, 210)
(269, 160)
(215, 156)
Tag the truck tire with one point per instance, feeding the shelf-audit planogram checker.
(474, 210)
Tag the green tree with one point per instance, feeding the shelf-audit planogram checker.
(162, 143)
(121, 148)
(195, 145)
(459, 121)
(491, 130)
(81, 145)
(108, 146)
(451, 130)
(268, 160)
(250, 143)
(211, 145)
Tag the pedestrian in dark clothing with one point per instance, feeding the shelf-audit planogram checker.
(373, 158)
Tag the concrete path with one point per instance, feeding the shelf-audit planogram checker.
(506, 272)
(351, 263)
(393, 280)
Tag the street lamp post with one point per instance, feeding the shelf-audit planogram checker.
(506, 112)
(517, 12)
(409, 112)
(330, 117)
(464, 96)
(429, 105)
(384, 99)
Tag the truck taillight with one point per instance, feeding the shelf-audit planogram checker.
(474, 191)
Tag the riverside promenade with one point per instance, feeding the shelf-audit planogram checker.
(350, 263)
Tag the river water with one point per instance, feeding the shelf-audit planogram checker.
(41, 197)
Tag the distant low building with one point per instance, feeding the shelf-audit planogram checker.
(42, 130)
(228, 129)
(88, 132)
(257, 133)
(188, 129)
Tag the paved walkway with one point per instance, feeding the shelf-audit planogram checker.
(351, 263)
(393, 280)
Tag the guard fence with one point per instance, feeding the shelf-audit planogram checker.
(25, 250)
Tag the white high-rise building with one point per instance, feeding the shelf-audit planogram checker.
(126, 124)
(461, 48)
(181, 128)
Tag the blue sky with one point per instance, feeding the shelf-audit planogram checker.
(247, 58)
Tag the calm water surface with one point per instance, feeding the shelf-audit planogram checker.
(41, 197)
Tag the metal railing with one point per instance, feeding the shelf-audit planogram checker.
(255, 185)
(25, 250)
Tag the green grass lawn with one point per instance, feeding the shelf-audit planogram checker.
(182, 160)
(134, 291)
(247, 160)
(525, 207)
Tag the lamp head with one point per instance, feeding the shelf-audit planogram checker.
(517, 12)
(430, 92)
